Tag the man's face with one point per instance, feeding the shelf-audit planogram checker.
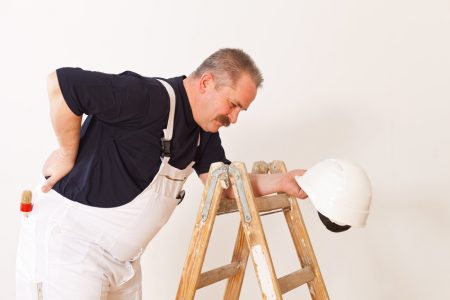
(223, 105)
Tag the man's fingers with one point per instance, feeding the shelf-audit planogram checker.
(48, 185)
(302, 194)
(298, 172)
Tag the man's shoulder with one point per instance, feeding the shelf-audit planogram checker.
(133, 74)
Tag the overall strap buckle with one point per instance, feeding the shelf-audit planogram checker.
(165, 148)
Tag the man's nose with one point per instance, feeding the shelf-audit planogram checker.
(234, 115)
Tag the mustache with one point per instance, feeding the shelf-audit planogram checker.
(224, 120)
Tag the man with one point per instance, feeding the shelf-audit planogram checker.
(115, 180)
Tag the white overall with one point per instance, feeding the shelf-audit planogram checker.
(68, 250)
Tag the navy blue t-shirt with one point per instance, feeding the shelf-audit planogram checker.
(120, 142)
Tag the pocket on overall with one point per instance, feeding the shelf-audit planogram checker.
(29, 237)
(26, 248)
(170, 181)
(169, 186)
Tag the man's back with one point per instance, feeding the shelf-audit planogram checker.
(120, 142)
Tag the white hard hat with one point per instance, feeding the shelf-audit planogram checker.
(340, 190)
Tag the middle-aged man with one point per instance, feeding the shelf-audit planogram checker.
(115, 179)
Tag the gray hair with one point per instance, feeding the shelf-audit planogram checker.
(229, 64)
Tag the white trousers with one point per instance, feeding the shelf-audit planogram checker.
(53, 263)
(68, 250)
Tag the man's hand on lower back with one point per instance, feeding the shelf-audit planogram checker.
(58, 165)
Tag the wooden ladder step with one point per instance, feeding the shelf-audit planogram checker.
(264, 204)
(218, 274)
(295, 279)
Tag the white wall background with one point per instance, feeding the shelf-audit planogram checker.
(363, 80)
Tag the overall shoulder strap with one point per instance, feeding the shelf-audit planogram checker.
(168, 132)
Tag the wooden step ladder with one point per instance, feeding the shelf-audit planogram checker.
(250, 237)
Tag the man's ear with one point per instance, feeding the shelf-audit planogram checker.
(206, 81)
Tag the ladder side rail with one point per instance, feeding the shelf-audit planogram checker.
(202, 232)
(254, 232)
(302, 242)
(241, 251)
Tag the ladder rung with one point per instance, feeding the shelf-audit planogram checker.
(269, 203)
(295, 279)
(266, 203)
(217, 274)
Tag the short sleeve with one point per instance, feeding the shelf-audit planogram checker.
(210, 151)
(121, 98)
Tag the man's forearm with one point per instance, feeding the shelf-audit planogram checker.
(262, 184)
(65, 123)
(265, 184)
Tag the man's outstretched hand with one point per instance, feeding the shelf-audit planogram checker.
(289, 185)
(58, 165)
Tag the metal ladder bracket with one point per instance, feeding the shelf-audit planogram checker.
(236, 174)
(221, 174)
